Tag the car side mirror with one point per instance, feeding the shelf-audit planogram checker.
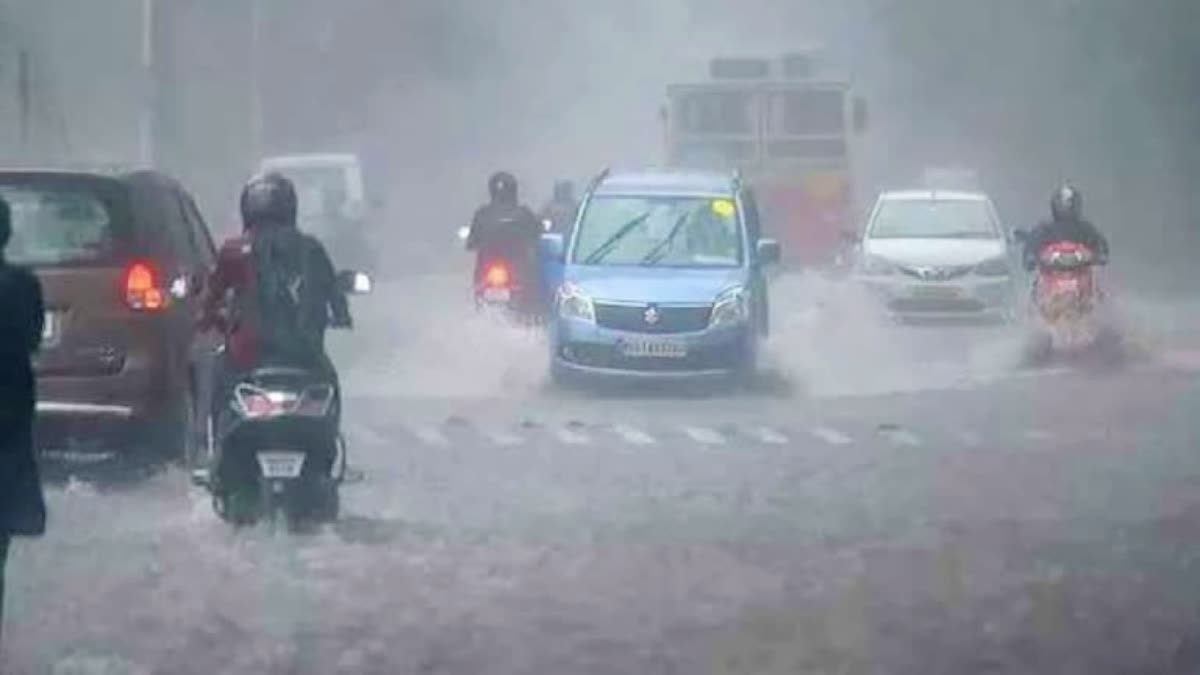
(354, 283)
(553, 247)
(769, 252)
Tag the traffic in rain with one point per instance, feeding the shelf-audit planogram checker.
(646, 337)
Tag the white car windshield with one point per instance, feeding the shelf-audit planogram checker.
(660, 231)
(934, 219)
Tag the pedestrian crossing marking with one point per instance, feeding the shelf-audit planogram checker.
(704, 435)
(633, 435)
(831, 436)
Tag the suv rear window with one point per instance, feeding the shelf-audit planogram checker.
(58, 224)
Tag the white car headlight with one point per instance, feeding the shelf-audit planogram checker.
(996, 267)
(873, 265)
(573, 303)
(731, 308)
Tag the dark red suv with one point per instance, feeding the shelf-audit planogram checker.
(123, 261)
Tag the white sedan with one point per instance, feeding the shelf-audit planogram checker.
(939, 255)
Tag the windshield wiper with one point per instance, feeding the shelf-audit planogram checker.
(660, 250)
(607, 247)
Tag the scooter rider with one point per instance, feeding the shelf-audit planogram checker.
(283, 288)
(504, 229)
(1066, 224)
(562, 208)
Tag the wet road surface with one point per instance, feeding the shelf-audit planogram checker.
(945, 514)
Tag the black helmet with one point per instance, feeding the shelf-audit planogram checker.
(564, 191)
(502, 187)
(268, 199)
(1067, 203)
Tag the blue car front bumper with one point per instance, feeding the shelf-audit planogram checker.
(584, 349)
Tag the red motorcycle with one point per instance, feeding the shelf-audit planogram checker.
(1067, 298)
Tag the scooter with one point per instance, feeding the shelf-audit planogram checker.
(275, 445)
(1066, 300)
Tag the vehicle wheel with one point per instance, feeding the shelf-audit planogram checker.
(328, 503)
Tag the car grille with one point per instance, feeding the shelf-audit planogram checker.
(606, 356)
(632, 318)
(936, 305)
(937, 273)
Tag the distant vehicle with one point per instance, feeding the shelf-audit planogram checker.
(791, 125)
(123, 260)
(334, 205)
(662, 278)
(931, 254)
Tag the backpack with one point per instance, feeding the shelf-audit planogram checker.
(282, 291)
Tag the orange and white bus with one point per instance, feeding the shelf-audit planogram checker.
(791, 133)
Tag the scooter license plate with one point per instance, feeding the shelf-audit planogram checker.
(497, 295)
(281, 464)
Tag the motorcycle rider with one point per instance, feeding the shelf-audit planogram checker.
(1066, 224)
(274, 292)
(506, 230)
(562, 208)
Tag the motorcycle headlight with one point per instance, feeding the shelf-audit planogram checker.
(873, 265)
(996, 267)
(731, 308)
(573, 303)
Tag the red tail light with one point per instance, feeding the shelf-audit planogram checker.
(497, 276)
(143, 288)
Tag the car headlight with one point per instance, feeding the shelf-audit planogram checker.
(996, 267)
(731, 308)
(875, 266)
(573, 303)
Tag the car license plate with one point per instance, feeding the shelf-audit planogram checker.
(938, 292)
(281, 464)
(497, 295)
(654, 349)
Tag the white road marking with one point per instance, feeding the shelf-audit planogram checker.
(704, 435)
(831, 436)
(1038, 435)
(431, 436)
(770, 436)
(633, 435)
(970, 438)
(571, 437)
(503, 438)
(903, 437)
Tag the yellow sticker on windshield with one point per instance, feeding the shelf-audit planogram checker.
(724, 208)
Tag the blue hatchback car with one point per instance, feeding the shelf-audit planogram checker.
(662, 278)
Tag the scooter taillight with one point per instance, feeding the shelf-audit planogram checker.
(256, 403)
(497, 275)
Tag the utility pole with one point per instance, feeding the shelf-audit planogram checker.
(150, 85)
(24, 106)
(256, 67)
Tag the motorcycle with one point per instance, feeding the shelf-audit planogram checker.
(498, 287)
(1066, 299)
(276, 450)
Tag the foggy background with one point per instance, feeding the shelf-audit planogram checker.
(435, 94)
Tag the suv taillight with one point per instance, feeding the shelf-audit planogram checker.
(143, 288)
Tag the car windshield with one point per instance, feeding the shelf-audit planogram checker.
(660, 231)
(934, 219)
(54, 225)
